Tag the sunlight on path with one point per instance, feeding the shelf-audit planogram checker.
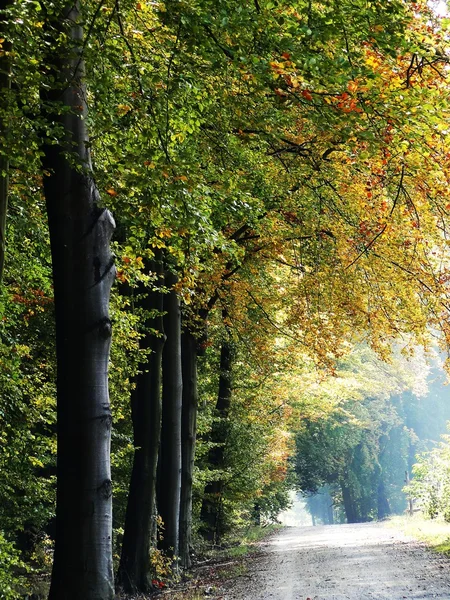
(343, 562)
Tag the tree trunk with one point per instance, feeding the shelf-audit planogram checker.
(211, 516)
(188, 437)
(410, 500)
(256, 514)
(5, 87)
(169, 471)
(140, 522)
(349, 505)
(83, 271)
(384, 510)
(330, 512)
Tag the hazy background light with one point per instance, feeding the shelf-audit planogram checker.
(439, 7)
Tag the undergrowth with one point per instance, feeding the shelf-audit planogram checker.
(435, 533)
(216, 564)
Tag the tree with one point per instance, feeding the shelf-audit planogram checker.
(141, 515)
(212, 514)
(359, 446)
(189, 354)
(83, 271)
(5, 85)
(290, 160)
(170, 459)
(430, 486)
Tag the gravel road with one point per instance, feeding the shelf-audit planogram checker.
(341, 562)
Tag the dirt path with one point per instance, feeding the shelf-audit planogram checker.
(341, 562)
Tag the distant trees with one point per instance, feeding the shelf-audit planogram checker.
(430, 487)
(363, 446)
(321, 507)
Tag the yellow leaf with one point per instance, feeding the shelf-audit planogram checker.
(122, 109)
(164, 232)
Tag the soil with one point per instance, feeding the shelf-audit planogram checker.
(341, 562)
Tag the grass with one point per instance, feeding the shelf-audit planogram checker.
(248, 540)
(435, 533)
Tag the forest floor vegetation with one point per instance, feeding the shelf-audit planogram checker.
(214, 565)
(435, 533)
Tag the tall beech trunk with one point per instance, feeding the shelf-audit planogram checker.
(188, 437)
(211, 516)
(83, 272)
(140, 521)
(169, 471)
(5, 87)
(383, 508)
(349, 505)
(410, 500)
(330, 513)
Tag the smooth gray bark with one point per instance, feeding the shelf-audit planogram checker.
(83, 272)
(140, 523)
(169, 472)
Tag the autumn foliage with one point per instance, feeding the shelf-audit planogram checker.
(280, 169)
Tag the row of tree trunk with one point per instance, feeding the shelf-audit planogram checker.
(353, 511)
(165, 426)
(165, 399)
(155, 486)
(212, 517)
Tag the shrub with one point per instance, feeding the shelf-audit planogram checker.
(12, 571)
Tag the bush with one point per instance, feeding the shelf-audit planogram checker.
(13, 584)
(430, 486)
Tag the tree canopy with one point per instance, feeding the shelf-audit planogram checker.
(278, 175)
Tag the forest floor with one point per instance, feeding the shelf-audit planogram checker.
(337, 562)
